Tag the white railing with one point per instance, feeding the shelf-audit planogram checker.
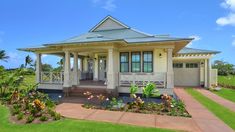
(52, 77)
(214, 76)
(126, 79)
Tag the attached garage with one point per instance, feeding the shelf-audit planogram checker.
(186, 73)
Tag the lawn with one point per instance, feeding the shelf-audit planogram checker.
(69, 125)
(228, 94)
(226, 80)
(220, 111)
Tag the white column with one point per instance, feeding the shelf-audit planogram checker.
(110, 73)
(170, 72)
(96, 68)
(75, 69)
(205, 74)
(38, 68)
(209, 73)
(67, 71)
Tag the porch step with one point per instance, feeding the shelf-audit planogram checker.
(79, 91)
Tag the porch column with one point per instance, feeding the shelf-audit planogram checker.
(67, 70)
(111, 83)
(96, 68)
(75, 69)
(205, 74)
(209, 73)
(170, 72)
(38, 67)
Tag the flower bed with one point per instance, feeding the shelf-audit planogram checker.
(31, 107)
(166, 106)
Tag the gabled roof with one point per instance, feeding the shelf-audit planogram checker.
(186, 50)
(109, 23)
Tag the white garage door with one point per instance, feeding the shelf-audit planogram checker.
(186, 74)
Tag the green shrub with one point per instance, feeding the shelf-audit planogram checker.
(15, 111)
(57, 116)
(30, 119)
(20, 116)
(150, 90)
(43, 118)
(50, 104)
(51, 112)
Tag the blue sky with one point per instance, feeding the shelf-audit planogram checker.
(28, 23)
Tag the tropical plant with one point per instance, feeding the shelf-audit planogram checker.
(28, 61)
(150, 90)
(3, 55)
(133, 90)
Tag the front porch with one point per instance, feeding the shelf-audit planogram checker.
(100, 68)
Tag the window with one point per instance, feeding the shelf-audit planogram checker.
(191, 65)
(135, 62)
(148, 61)
(178, 65)
(124, 62)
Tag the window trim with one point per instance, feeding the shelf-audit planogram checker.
(120, 63)
(192, 66)
(136, 62)
(147, 61)
(174, 64)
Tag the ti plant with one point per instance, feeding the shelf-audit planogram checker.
(150, 90)
(133, 90)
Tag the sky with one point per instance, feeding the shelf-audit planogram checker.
(30, 23)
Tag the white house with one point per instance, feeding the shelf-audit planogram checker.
(113, 55)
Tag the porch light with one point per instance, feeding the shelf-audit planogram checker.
(160, 55)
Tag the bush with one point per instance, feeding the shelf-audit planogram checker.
(15, 111)
(20, 116)
(43, 118)
(57, 116)
(30, 119)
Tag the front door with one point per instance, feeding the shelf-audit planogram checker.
(102, 68)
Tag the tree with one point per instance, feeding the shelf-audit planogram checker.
(28, 60)
(3, 55)
(47, 67)
(223, 67)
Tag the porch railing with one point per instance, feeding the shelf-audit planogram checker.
(52, 77)
(140, 79)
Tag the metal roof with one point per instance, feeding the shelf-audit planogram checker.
(187, 50)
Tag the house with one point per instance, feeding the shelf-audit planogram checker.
(112, 56)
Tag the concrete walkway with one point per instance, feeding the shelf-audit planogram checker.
(76, 111)
(206, 121)
(226, 103)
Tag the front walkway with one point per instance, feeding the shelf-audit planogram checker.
(76, 111)
(206, 121)
(226, 103)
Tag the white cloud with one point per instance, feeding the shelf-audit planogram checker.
(196, 38)
(108, 5)
(230, 18)
(228, 4)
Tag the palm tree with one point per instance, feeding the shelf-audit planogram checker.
(3, 55)
(28, 60)
(61, 63)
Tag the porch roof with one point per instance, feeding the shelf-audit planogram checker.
(186, 50)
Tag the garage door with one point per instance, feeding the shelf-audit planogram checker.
(186, 74)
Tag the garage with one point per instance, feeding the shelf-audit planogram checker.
(186, 74)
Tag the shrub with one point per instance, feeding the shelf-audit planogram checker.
(43, 118)
(30, 119)
(20, 116)
(150, 90)
(50, 104)
(51, 112)
(57, 116)
(15, 111)
(133, 90)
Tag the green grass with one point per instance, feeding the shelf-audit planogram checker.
(226, 80)
(228, 94)
(220, 111)
(70, 125)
